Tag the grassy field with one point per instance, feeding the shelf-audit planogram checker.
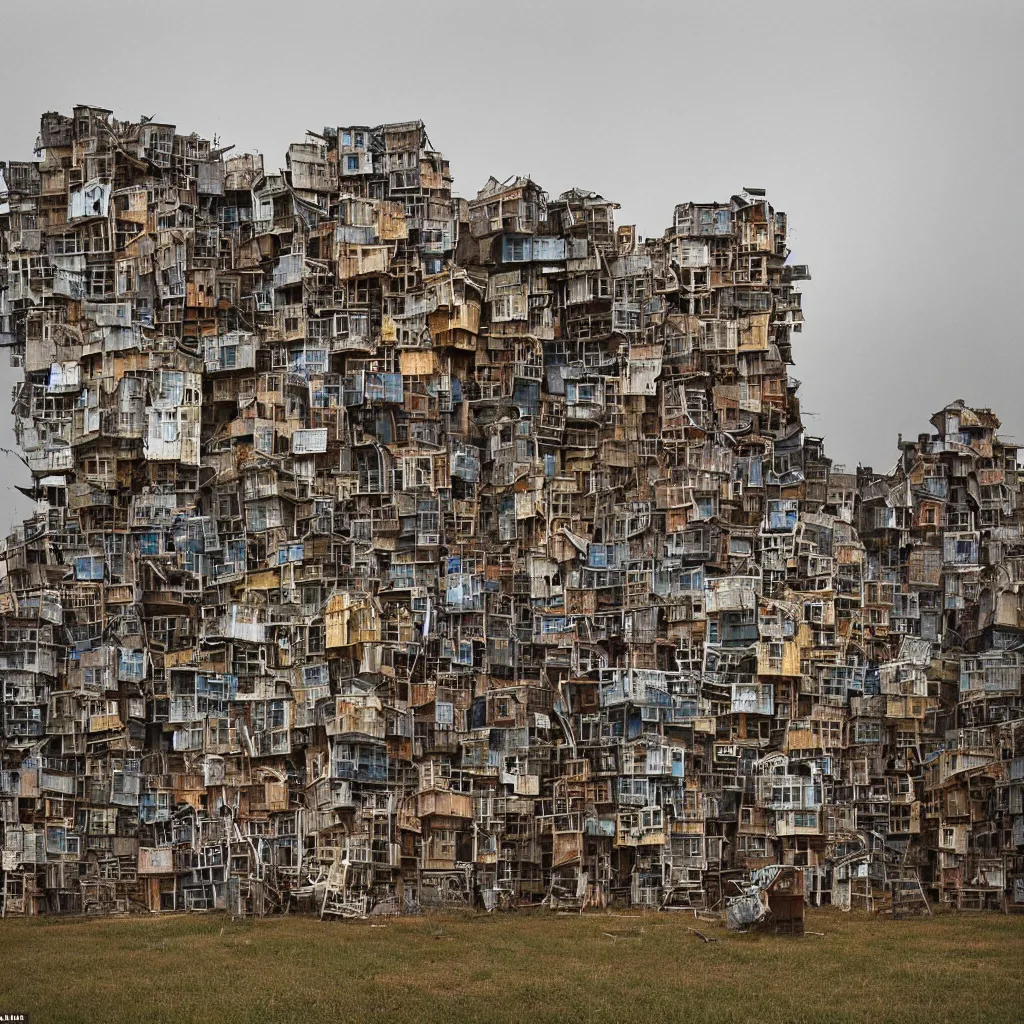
(530, 967)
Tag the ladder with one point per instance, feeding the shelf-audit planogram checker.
(908, 896)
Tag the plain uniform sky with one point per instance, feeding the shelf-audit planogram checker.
(889, 132)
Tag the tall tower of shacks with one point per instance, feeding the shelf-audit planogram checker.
(391, 548)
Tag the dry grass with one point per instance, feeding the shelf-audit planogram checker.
(527, 967)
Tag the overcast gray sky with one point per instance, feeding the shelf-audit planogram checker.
(890, 132)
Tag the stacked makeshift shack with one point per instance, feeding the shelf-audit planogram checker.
(394, 547)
